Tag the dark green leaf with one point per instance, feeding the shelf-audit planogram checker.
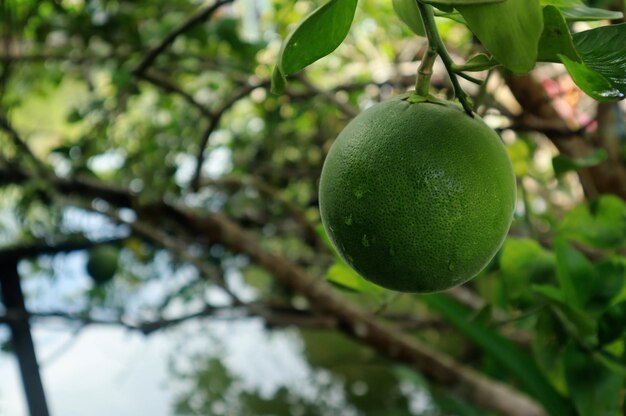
(574, 320)
(74, 116)
(591, 82)
(575, 274)
(601, 223)
(611, 362)
(576, 10)
(509, 30)
(408, 12)
(610, 276)
(563, 164)
(547, 343)
(556, 38)
(612, 323)
(319, 34)
(279, 82)
(603, 50)
(594, 389)
(524, 262)
(518, 363)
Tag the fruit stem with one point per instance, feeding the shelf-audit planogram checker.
(425, 71)
(435, 43)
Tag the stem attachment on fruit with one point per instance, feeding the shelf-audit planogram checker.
(436, 44)
(425, 71)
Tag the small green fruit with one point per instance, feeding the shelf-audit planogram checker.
(102, 263)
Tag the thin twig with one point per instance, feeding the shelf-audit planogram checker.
(160, 80)
(214, 121)
(39, 248)
(19, 143)
(426, 11)
(199, 17)
(346, 108)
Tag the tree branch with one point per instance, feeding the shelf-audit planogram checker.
(363, 326)
(345, 108)
(21, 145)
(273, 316)
(266, 189)
(39, 248)
(163, 82)
(214, 121)
(199, 17)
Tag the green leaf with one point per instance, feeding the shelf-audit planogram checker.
(546, 344)
(524, 262)
(600, 223)
(74, 116)
(408, 12)
(576, 10)
(574, 320)
(612, 323)
(602, 49)
(556, 38)
(611, 362)
(594, 389)
(343, 275)
(581, 14)
(479, 62)
(575, 274)
(279, 82)
(460, 2)
(563, 164)
(509, 30)
(319, 34)
(509, 356)
(591, 82)
(452, 15)
(610, 276)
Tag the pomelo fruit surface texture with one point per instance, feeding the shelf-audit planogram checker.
(417, 196)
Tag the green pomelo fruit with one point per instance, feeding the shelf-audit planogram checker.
(417, 196)
(102, 263)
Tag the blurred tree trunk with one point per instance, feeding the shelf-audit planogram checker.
(21, 338)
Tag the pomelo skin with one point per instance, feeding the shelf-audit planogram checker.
(417, 196)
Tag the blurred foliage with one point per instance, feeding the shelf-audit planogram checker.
(68, 86)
